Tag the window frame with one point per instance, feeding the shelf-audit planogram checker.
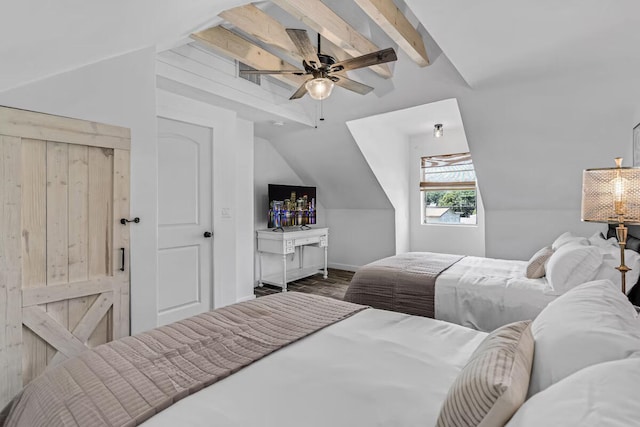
(427, 186)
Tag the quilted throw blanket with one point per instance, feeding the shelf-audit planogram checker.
(405, 283)
(124, 382)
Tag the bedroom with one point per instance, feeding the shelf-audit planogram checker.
(538, 107)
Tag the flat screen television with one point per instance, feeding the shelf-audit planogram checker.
(291, 206)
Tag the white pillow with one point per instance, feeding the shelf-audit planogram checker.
(566, 238)
(592, 323)
(535, 268)
(598, 240)
(611, 260)
(572, 265)
(601, 395)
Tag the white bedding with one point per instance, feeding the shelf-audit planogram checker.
(486, 293)
(376, 368)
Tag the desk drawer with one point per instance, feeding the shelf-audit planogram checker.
(307, 240)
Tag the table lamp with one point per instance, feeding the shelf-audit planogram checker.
(612, 195)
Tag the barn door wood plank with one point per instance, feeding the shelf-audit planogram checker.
(53, 293)
(100, 227)
(10, 268)
(30, 124)
(34, 246)
(121, 239)
(78, 230)
(51, 331)
(57, 229)
(89, 321)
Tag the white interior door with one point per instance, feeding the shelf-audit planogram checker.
(185, 259)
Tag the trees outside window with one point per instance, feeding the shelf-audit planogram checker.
(448, 189)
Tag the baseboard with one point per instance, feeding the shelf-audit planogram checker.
(346, 267)
(247, 298)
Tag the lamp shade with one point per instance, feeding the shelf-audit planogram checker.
(319, 88)
(611, 195)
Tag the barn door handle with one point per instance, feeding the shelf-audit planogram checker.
(124, 221)
(122, 259)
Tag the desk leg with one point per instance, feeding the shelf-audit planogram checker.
(284, 273)
(301, 259)
(326, 273)
(260, 262)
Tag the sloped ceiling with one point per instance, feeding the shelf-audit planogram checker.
(40, 38)
(498, 40)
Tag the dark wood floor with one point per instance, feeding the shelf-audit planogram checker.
(334, 286)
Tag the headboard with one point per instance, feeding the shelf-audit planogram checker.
(633, 243)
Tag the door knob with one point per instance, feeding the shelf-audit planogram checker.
(207, 234)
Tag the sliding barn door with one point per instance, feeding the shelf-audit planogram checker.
(64, 277)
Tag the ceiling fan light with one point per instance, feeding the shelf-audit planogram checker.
(319, 88)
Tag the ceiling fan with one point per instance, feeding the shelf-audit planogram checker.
(325, 70)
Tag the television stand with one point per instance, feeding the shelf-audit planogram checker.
(286, 243)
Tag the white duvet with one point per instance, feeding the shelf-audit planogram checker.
(376, 368)
(486, 293)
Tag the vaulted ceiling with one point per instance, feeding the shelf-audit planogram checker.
(542, 86)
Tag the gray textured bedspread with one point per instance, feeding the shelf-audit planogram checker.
(404, 283)
(125, 382)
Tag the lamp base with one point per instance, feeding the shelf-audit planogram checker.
(621, 235)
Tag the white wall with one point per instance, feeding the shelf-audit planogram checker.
(386, 150)
(245, 235)
(531, 140)
(118, 91)
(359, 236)
(518, 234)
(452, 239)
(271, 168)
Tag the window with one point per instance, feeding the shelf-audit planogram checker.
(448, 189)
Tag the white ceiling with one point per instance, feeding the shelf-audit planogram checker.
(418, 120)
(40, 38)
(485, 41)
(498, 39)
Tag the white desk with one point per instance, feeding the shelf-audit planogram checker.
(285, 243)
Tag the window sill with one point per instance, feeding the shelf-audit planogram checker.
(450, 225)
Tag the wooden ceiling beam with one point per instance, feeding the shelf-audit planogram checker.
(263, 27)
(393, 22)
(257, 23)
(325, 21)
(242, 50)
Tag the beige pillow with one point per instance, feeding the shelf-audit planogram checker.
(493, 384)
(536, 265)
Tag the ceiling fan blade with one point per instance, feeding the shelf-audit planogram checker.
(302, 91)
(304, 46)
(296, 72)
(373, 58)
(352, 85)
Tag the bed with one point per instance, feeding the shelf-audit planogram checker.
(295, 359)
(481, 293)
(486, 293)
